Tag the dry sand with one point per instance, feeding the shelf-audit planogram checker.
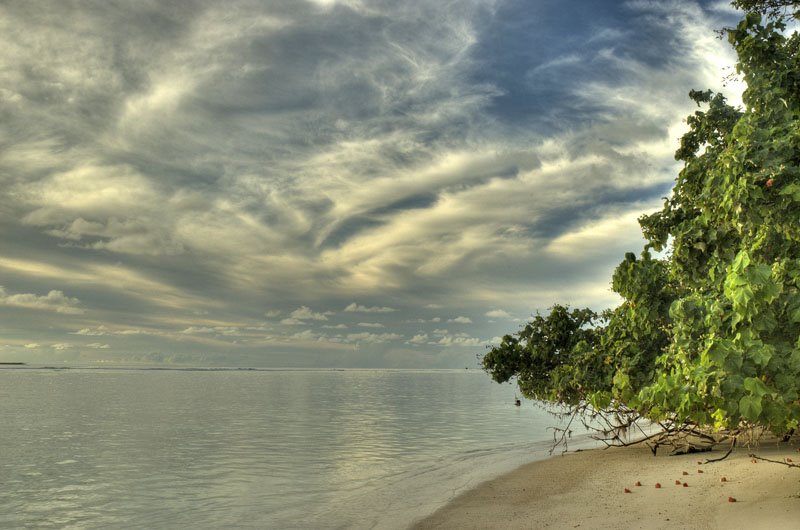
(587, 490)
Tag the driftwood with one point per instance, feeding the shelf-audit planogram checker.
(684, 439)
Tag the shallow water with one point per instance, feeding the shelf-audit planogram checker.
(253, 449)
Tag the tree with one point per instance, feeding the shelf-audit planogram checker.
(553, 357)
(772, 8)
(710, 334)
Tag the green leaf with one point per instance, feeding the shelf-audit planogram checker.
(741, 262)
(793, 309)
(741, 297)
(734, 360)
(718, 352)
(760, 274)
(792, 190)
(794, 361)
(755, 386)
(600, 400)
(750, 408)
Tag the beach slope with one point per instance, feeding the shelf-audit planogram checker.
(587, 490)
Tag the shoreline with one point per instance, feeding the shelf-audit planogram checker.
(586, 489)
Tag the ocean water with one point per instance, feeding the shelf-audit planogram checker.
(84, 448)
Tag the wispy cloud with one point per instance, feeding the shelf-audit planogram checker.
(191, 169)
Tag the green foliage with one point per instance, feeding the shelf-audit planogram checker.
(773, 8)
(552, 357)
(709, 334)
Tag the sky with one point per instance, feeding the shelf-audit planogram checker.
(329, 183)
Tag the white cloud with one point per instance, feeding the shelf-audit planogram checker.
(306, 335)
(98, 346)
(421, 338)
(461, 320)
(615, 230)
(198, 330)
(53, 301)
(459, 340)
(497, 313)
(372, 337)
(32, 346)
(358, 308)
(205, 330)
(305, 313)
(61, 346)
(292, 322)
(134, 332)
(370, 325)
(272, 314)
(337, 326)
(89, 332)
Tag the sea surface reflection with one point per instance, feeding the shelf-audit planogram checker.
(253, 449)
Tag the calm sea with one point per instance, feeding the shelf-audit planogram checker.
(252, 449)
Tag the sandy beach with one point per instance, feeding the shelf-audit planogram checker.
(587, 490)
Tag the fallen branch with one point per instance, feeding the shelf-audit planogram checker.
(723, 457)
(788, 464)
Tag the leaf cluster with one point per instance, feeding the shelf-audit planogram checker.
(709, 333)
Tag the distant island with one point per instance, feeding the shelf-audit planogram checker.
(12, 364)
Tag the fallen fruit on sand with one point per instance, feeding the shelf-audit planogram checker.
(723, 479)
(789, 460)
(677, 482)
(638, 483)
(658, 485)
(627, 490)
(685, 485)
(685, 472)
(699, 470)
(731, 499)
(754, 461)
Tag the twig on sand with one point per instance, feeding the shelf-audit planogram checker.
(723, 457)
(788, 464)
